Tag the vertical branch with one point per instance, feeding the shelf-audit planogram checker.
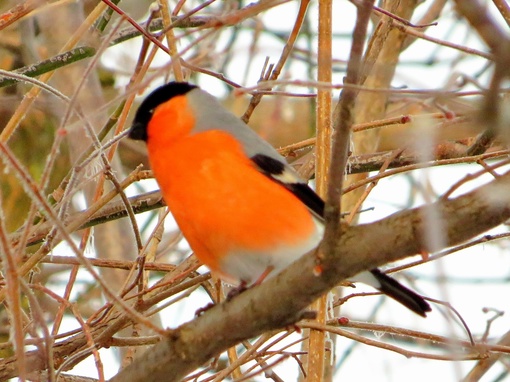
(317, 340)
(13, 294)
(324, 104)
(170, 38)
(380, 60)
(497, 40)
(342, 123)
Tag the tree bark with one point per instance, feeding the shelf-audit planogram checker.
(279, 302)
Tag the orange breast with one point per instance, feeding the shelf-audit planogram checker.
(223, 204)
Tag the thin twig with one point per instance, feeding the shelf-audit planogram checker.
(342, 124)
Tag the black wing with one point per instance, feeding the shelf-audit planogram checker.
(276, 170)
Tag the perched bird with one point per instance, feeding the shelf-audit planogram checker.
(243, 210)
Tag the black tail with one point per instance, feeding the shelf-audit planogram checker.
(397, 291)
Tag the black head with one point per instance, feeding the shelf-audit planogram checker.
(144, 113)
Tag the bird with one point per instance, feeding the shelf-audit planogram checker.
(242, 208)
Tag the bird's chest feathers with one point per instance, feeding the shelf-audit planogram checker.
(225, 206)
(206, 165)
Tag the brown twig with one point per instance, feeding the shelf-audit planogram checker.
(484, 364)
(12, 290)
(318, 365)
(342, 124)
(275, 72)
(355, 209)
(504, 9)
(474, 355)
(447, 252)
(424, 165)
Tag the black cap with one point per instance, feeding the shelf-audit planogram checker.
(144, 113)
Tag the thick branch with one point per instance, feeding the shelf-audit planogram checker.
(359, 248)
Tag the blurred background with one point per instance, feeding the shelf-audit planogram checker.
(72, 74)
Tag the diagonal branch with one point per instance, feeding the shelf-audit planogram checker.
(359, 248)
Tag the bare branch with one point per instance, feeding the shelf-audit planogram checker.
(359, 248)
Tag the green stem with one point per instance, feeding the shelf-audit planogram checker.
(50, 64)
